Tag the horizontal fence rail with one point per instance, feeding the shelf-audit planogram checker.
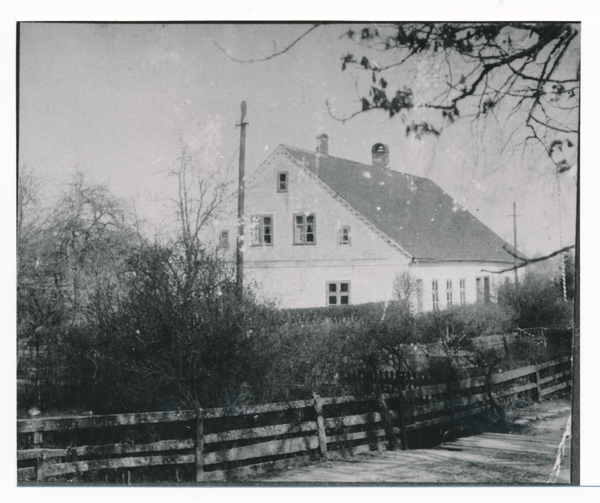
(228, 443)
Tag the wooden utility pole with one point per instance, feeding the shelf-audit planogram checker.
(563, 256)
(576, 348)
(240, 236)
(515, 240)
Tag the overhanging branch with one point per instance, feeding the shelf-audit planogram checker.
(275, 52)
(530, 261)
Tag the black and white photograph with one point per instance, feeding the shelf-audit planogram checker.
(298, 253)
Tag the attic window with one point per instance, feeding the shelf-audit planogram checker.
(345, 235)
(282, 181)
(338, 293)
(305, 229)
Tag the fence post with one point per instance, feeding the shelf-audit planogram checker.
(452, 412)
(400, 386)
(73, 458)
(199, 445)
(39, 467)
(320, 425)
(538, 391)
(37, 439)
(387, 424)
(493, 401)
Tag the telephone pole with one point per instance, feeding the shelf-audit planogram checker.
(240, 236)
(514, 215)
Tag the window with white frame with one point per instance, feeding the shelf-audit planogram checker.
(435, 295)
(419, 295)
(305, 229)
(282, 181)
(463, 292)
(449, 293)
(262, 230)
(338, 293)
(483, 289)
(345, 235)
(224, 239)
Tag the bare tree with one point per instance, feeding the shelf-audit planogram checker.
(408, 290)
(70, 259)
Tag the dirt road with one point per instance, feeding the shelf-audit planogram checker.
(526, 456)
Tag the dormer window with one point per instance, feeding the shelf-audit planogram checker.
(282, 181)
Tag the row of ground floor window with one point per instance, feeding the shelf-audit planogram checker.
(339, 292)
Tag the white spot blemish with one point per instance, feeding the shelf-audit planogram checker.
(381, 183)
(366, 174)
(378, 208)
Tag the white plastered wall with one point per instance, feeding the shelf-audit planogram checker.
(296, 275)
(455, 271)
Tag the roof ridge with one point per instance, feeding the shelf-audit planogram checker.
(383, 168)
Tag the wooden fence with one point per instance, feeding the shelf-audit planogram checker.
(230, 443)
(534, 332)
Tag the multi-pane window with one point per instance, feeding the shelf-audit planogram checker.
(345, 235)
(338, 293)
(435, 295)
(463, 292)
(262, 230)
(305, 229)
(224, 239)
(419, 295)
(449, 293)
(282, 181)
(483, 289)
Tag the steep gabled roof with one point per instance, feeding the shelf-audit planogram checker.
(413, 211)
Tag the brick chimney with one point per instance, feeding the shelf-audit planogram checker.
(381, 155)
(323, 144)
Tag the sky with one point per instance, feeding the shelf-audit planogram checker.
(120, 101)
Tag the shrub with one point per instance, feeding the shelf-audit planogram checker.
(536, 302)
(460, 323)
(559, 341)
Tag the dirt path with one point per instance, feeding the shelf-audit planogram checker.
(525, 456)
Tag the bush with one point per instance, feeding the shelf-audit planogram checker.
(559, 341)
(536, 302)
(460, 323)
(334, 314)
